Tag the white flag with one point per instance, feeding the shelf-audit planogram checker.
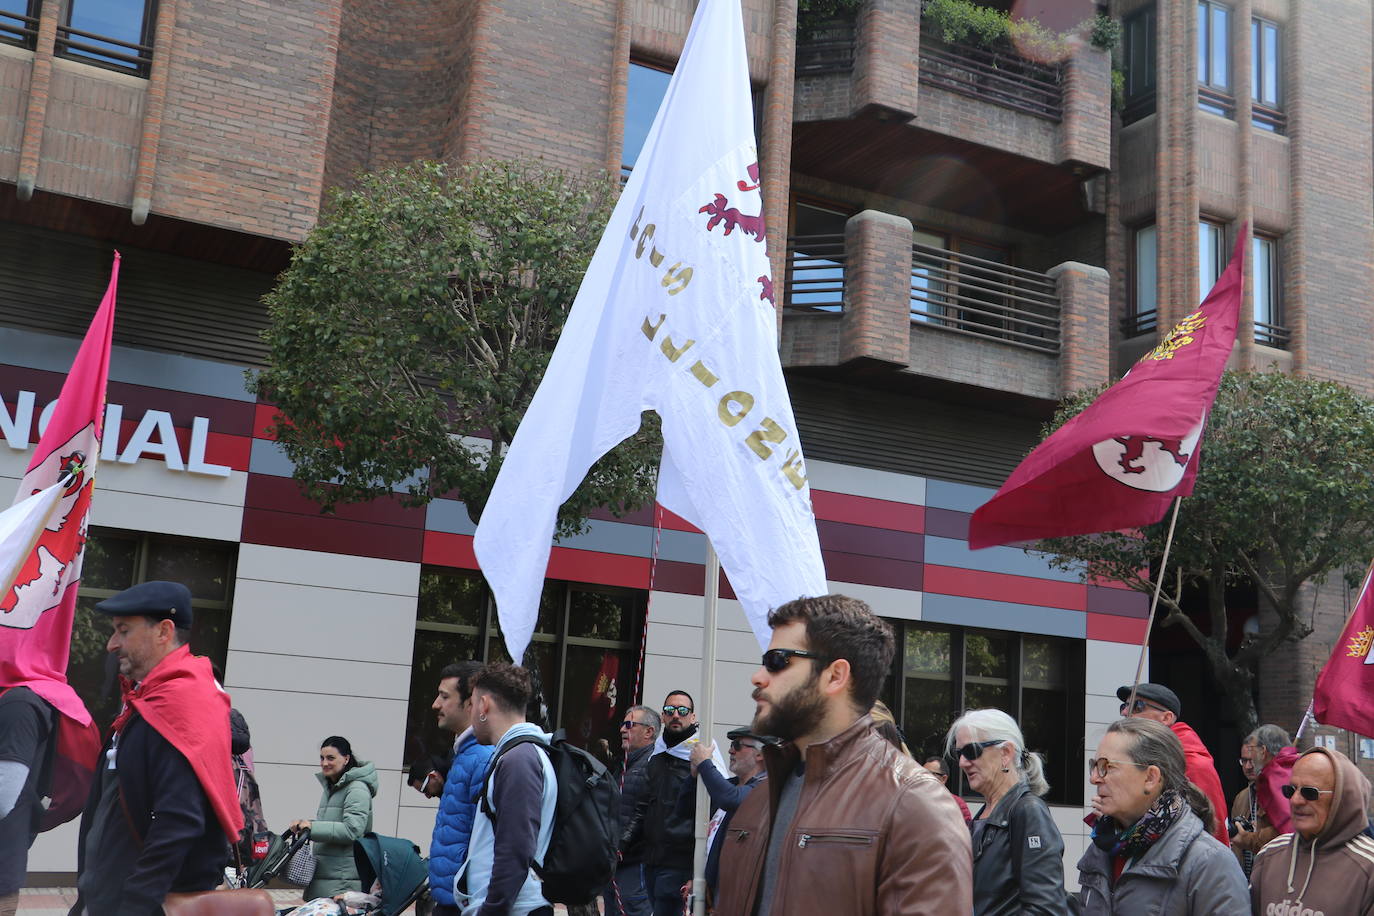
(675, 314)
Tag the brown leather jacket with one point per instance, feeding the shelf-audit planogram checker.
(875, 833)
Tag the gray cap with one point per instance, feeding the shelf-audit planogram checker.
(1155, 693)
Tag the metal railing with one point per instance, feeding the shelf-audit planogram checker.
(1137, 323)
(829, 48)
(1209, 99)
(103, 51)
(982, 298)
(1002, 78)
(815, 273)
(1272, 335)
(1270, 119)
(18, 29)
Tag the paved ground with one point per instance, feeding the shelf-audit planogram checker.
(56, 901)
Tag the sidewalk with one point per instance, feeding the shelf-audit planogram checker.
(56, 901)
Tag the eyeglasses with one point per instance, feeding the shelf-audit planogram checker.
(1311, 793)
(1142, 705)
(631, 723)
(1101, 766)
(736, 745)
(775, 660)
(974, 749)
(677, 710)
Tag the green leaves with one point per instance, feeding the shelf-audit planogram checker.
(423, 309)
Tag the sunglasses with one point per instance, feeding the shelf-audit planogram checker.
(736, 745)
(630, 723)
(775, 660)
(1311, 793)
(974, 749)
(1101, 766)
(677, 710)
(1142, 705)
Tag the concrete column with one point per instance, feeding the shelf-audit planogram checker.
(1084, 325)
(876, 326)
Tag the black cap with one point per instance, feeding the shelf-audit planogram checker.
(163, 600)
(735, 734)
(1155, 693)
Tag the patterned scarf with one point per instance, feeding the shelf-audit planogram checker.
(1135, 840)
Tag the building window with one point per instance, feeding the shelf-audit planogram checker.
(1268, 292)
(585, 651)
(114, 561)
(1138, 53)
(1038, 680)
(1211, 255)
(19, 22)
(644, 93)
(1213, 60)
(1143, 304)
(815, 257)
(1265, 63)
(114, 34)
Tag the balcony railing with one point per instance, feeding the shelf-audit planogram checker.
(1002, 78)
(1137, 323)
(18, 29)
(1270, 119)
(1269, 335)
(828, 48)
(103, 51)
(1272, 335)
(815, 273)
(981, 298)
(1215, 101)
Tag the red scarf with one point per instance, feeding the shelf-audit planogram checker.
(181, 701)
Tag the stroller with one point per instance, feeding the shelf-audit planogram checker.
(280, 849)
(393, 867)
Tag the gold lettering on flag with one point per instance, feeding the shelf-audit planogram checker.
(1180, 337)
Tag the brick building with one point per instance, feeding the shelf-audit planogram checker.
(971, 234)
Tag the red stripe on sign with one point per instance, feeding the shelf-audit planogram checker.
(331, 535)
(231, 451)
(675, 522)
(444, 549)
(865, 510)
(1110, 628)
(972, 583)
(596, 568)
(264, 418)
(283, 494)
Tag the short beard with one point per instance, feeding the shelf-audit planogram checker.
(674, 736)
(797, 714)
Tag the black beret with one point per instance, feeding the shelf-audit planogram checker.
(1155, 693)
(164, 600)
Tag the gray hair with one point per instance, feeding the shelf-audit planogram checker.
(1270, 737)
(1153, 744)
(995, 725)
(651, 717)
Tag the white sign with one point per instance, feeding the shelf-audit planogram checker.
(155, 436)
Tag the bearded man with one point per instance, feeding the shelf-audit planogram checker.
(846, 823)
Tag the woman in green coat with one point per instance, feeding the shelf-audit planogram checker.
(345, 814)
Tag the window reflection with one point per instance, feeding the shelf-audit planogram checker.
(643, 95)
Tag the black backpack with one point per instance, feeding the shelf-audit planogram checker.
(583, 847)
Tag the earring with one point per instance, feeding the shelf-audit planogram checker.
(482, 718)
(1145, 791)
(1006, 769)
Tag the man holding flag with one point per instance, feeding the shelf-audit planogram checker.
(48, 742)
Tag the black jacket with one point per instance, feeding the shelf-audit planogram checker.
(632, 787)
(668, 838)
(168, 819)
(1018, 861)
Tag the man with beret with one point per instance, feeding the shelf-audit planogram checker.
(1155, 701)
(746, 765)
(163, 807)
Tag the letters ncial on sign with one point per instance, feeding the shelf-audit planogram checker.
(155, 425)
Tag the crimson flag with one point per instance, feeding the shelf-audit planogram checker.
(1120, 462)
(37, 607)
(1345, 688)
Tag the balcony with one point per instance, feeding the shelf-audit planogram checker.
(876, 298)
(1001, 78)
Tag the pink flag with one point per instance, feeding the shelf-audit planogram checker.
(37, 607)
(1120, 462)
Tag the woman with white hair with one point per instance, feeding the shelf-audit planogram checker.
(1018, 854)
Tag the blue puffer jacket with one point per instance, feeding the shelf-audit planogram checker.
(457, 807)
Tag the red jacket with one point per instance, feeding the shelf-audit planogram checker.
(1202, 772)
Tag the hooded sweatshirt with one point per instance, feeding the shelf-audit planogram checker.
(1331, 875)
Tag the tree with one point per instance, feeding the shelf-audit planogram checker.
(414, 324)
(1284, 496)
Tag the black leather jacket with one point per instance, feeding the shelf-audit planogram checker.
(1018, 861)
(631, 791)
(668, 840)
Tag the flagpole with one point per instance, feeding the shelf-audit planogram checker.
(706, 721)
(1154, 606)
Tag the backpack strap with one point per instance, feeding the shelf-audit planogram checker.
(496, 758)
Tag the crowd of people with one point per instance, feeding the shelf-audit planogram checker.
(820, 808)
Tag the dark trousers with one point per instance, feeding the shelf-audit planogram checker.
(664, 887)
(445, 909)
(626, 896)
